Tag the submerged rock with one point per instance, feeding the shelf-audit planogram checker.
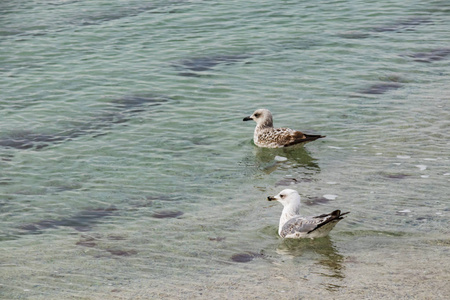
(430, 56)
(245, 257)
(82, 221)
(26, 140)
(403, 24)
(242, 257)
(118, 112)
(86, 243)
(119, 252)
(167, 214)
(217, 239)
(137, 103)
(381, 88)
(354, 35)
(201, 64)
(395, 176)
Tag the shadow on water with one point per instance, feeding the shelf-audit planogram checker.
(328, 257)
(269, 160)
(118, 112)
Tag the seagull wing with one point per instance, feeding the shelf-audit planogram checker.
(301, 225)
(293, 137)
(306, 225)
(283, 137)
(325, 219)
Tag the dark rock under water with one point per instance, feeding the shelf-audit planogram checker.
(27, 140)
(137, 103)
(430, 56)
(86, 243)
(245, 257)
(118, 112)
(119, 252)
(89, 18)
(217, 239)
(82, 221)
(381, 88)
(403, 24)
(93, 241)
(395, 176)
(355, 35)
(165, 214)
(201, 64)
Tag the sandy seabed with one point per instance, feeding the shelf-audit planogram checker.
(378, 273)
(356, 267)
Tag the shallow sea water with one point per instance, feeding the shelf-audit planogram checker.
(126, 171)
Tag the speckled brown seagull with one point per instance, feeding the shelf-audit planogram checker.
(294, 226)
(267, 136)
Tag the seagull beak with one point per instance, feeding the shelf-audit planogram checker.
(247, 118)
(271, 198)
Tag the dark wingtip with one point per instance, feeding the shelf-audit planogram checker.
(313, 137)
(307, 138)
(335, 216)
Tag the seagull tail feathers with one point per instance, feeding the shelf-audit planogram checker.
(335, 216)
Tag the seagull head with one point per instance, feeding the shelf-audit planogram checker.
(287, 197)
(262, 117)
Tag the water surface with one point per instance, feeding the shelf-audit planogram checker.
(126, 170)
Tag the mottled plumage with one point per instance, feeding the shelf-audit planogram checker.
(292, 225)
(267, 136)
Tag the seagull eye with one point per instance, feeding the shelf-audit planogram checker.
(257, 115)
(281, 196)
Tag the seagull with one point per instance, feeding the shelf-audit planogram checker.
(267, 136)
(293, 226)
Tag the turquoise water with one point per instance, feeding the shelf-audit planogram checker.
(126, 171)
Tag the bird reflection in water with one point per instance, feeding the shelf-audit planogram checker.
(269, 160)
(329, 260)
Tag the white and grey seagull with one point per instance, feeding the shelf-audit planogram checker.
(267, 136)
(294, 226)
